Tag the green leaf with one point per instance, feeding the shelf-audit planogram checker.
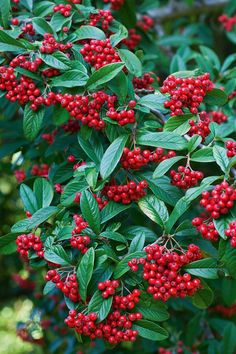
(48, 288)
(165, 165)
(167, 140)
(229, 259)
(32, 122)
(5, 8)
(58, 21)
(119, 85)
(203, 297)
(222, 224)
(94, 154)
(7, 243)
(36, 219)
(90, 211)
(221, 157)
(112, 156)
(10, 44)
(100, 305)
(44, 192)
(203, 155)
(176, 121)
(115, 236)
(28, 198)
(70, 191)
(154, 312)
(85, 272)
(194, 142)
(111, 210)
(150, 330)
(71, 78)
(137, 243)
(205, 268)
(216, 97)
(152, 101)
(43, 8)
(85, 32)
(154, 208)
(119, 35)
(41, 26)
(56, 60)
(103, 75)
(122, 267)
(57, 254)
(131, 61)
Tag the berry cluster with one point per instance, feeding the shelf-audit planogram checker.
(224, 310)
(85, 108)
(186, 93)
(185, 178)
(217, 117)
(206, 227)
(26, 242)
(231, 148)
(145, 23)
(50, 45)
(65, 10)
(40, 170)
(23, 283)
(231, 232)
(135, 159)
(77, 240)
(127, 302)
(218, 201)
(103, 16)
(58, 188)
(178, 349)
(108, 287)
(227, 22)
(102, 202)
(115, 4)
(20, 175)
(232, 95)
(22, 62)
(27, 29)
(99, 53)
(115, 329)
(201, 127)
(122, 117)
(126, 193)
(144, 82)
(50, 72)
(49, 137)
(72, 126)
(75, 1)
(162, 272)
(68, 285)
(133, 39)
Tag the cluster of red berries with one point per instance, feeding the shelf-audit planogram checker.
(58, 188)
(27, 29)
(68, 284)
(231, 232)
(49, 137)
(135, 159)
(127, 302)
(108, 287)
(77, 240)
(206, 227)
(102, 202)
(72, 126)
(133, 39)
(162, 272)
(103, 16)
(232, 95)
(22, 62)
(24, 334)
(178, 349)
(217, 117)
(26, 242)
(75, 1)
(99, 53)
(218, 201)
(20, 175)
(50, 45)
(144, 82)
(115, 4)
(65, 10)
(224, 310)
(50, 72)
(40, 170)
(125, 193)
(201, 127)
(115, 329)
(145, 23)
(227, 22)
(185, 178)
(23, 283)
(122, 117)
(85, 108)
(186, 93)
(231, 148)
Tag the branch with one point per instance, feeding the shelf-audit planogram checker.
(160, 117)
(177, 9)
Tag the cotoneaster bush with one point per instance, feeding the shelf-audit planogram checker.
(127, 179)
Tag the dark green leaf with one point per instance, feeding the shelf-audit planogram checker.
(122, 267)
(32, 122)
(103, 75)
(165, 165)
(71, 78)
(28, 199)
(111, 210)
(85, 272)
(90, 211)
(43, 191)
(150, 330)
(131, 61)
(167, 140)
(155, 209)
(100, 305)
(85, 32)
